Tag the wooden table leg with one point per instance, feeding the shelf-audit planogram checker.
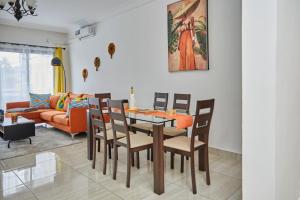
(89, 137)
(158, 162)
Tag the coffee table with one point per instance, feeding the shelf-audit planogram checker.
(23, 129)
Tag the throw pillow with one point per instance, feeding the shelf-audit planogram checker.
(77, 103)
(61, 102)
(66, 103)
(39, 100)
(53, 101)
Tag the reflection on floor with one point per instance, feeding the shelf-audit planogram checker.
(65, 173)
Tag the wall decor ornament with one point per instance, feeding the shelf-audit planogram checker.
(85, 74)
(111, 49)
(97, 63)
(188, 35)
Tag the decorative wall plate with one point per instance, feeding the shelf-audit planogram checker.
(97, 63)
(111, 49)
(85, 74)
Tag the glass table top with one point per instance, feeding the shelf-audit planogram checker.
(147, 118)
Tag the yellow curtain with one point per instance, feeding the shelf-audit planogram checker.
(59, 79)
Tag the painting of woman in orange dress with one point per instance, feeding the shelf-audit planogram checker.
(187, 35)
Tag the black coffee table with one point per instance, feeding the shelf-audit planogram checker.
(23, 129)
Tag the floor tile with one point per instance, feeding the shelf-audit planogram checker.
(221, 187)
(46, 170)
(238, 195)
(17, 193)
(228, 166)
(175, 192)
(65, 173)
(27, 161)
(9, 180)
(68, 185)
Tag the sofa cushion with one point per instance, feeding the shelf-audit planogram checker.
(39, 100)
(29, 115)
(61, 119)
(53, 101)
(48, 116)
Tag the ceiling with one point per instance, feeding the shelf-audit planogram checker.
(66, 15)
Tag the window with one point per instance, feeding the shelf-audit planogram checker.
(24, 70)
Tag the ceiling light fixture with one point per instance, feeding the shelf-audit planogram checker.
(19, 8)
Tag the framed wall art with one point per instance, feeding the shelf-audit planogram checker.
(188, 35)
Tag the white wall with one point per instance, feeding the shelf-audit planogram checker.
(259, 98)
(141, 61)
(36, 37)
(271, 100)
(288, 98)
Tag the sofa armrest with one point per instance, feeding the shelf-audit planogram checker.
(78, 120)
(21, 104)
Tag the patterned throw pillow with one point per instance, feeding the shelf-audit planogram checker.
(77, 103)
(60, 102)
(39, 100)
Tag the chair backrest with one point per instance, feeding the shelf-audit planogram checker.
(202, 121)
(160, 101)
(103, 98)
(182, 102)
(96, 116)
(118, 119)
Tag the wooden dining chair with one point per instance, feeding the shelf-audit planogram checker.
(99, 130)
(198, 141)
(160, 103)
(132, 142)
(103, 97)
(181, 103)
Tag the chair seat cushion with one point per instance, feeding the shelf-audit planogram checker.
(137, 140)
(173, 132)
(143, 126)
(61, 119)
(182, 143)
(110, 135)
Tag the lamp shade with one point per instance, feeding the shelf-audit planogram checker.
(56, 62)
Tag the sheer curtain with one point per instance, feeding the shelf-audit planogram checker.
(24, 69)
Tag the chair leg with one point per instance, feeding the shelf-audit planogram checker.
(172, 160)
(207, 167)
(105, 158)
(181, 164)
(115, 162)
(99, 145)
(109, 151)
(132, 159)
(194, 188)
(201, 159)
(94, 153)
(151, 153)
(148, 154)
(138, 160)
(129, 155)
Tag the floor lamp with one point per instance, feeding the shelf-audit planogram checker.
(56, 62)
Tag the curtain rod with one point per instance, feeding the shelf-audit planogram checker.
(30, 45)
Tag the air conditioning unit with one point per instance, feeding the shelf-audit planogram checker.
(86, 32)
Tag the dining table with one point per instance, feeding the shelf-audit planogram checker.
(158, 121)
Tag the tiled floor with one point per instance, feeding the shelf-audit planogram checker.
(65, 173)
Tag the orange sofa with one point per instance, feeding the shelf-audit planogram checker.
(74, 124)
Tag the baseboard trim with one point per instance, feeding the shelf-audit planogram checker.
(224, 153)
